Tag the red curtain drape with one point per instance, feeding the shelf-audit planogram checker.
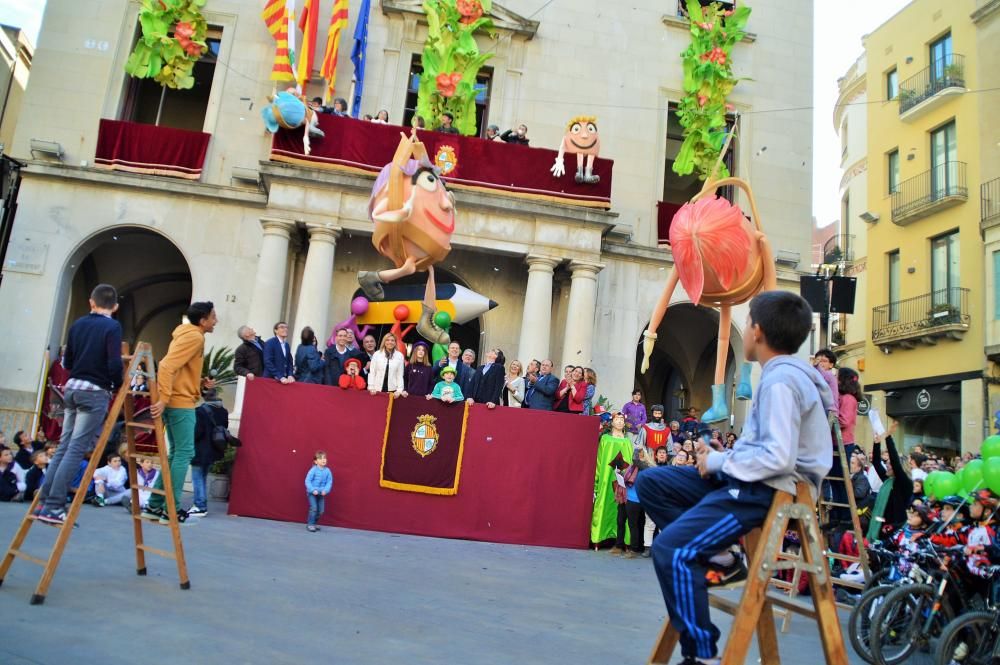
(139, 148)
(527, 477)
(357, 145)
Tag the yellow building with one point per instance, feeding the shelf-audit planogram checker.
(924, 358)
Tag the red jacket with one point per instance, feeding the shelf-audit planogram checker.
(575, 402)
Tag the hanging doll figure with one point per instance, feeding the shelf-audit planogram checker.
(722, 259)
(288, 109)
(581, 138)
(414, 217)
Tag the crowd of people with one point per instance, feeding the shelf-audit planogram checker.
(387, 366)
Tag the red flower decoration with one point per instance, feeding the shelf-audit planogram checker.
(447, 83)
(184, 30)
(471, 11)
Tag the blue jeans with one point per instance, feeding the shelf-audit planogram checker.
(83, 417)
(697, 517)
(317, 503)
(199, 480)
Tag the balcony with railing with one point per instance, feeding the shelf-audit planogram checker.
(989, 202)
(150, 149)
(926, 319)
(839, 250)
(930, 192)
(928, 87)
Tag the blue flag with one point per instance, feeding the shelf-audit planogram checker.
(359, 54)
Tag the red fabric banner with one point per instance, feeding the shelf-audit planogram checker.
(527, 477)
(365, 147)
(423, 446)
(138, 148)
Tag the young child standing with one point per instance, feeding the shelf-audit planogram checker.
(319, 482)
(109, 482)
(705, 509)
(446, 389)
(36, 474)
(93, 358)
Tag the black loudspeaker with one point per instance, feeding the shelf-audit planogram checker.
(813, 290)
(842, 295)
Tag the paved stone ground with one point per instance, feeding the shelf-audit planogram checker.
(272, 593)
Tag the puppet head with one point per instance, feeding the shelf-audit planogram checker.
(285, 110)
(582, 137)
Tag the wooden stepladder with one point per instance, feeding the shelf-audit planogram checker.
(755, 611)
(140, 366)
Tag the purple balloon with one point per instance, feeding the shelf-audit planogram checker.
(359, 306)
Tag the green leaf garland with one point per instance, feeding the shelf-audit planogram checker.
(172, 41)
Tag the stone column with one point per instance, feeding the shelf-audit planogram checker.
(580, 313)
(536, 324)
(272, 266)
(317, 280)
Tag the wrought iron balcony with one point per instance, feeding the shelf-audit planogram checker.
(839, 249)
(989, 201)
(932, 191)
(946, 75)
(926, 319)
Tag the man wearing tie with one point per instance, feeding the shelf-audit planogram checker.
(278, 356)
(541, 388)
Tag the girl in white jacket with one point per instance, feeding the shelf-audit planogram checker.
(385, 374)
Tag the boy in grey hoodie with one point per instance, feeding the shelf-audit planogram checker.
(701, 511)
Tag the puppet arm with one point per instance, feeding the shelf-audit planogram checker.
(559, 167)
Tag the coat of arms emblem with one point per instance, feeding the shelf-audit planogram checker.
(446, 159)
(424, 435)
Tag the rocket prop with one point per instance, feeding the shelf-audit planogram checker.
(461, 303)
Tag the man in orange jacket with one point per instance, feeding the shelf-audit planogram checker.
(180, 382)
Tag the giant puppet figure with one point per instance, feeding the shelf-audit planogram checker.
(581, 139)
(414, 217)
(721, 259)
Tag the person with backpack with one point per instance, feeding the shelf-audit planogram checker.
(211, 435)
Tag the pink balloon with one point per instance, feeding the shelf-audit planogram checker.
(359, 306)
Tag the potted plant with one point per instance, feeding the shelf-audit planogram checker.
(219, 474)
(906, 97)
(942, 313)
(954, 73)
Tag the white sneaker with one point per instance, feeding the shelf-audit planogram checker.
(195, 510)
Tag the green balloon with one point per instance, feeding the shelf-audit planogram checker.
(438, 351)
(930, 483)
(991, 474)
(443, 320)
(991, 447)
(947, 485)
(971, 476)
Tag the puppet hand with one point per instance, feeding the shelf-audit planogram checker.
(559, 168)
(648, 342)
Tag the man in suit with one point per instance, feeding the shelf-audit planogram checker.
(365, 353)
(249, 360)
(487, 381)
(278, 356)
(463, 372)
(541, 388)
(336, 356)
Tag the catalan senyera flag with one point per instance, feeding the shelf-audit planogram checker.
(309, 25)
(277, 15)
(328, 69)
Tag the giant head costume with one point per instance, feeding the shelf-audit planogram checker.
(583, 140)
(414, 217)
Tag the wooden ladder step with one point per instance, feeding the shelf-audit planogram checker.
(156, 550)
(27, 557)
(147, 426)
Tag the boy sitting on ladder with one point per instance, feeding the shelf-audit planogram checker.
(702, 511)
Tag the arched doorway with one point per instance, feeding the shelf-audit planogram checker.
(151, 275)
(468, 335)
(682, 366)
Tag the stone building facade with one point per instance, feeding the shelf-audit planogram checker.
(572, 283)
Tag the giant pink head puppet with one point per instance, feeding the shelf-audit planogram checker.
(414, 217)
(721, 259)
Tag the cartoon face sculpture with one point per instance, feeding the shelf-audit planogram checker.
(285, 110)
(582, 137)
(422, 228)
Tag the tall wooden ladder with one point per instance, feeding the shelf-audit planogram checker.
(825, 509)
(755, 611)
(139, 365)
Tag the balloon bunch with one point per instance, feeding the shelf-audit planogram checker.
(976, 475)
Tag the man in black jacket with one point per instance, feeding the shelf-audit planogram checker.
(896, 483)
(519, 137)
(249, 360)
(209, 446)
(488, 380)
